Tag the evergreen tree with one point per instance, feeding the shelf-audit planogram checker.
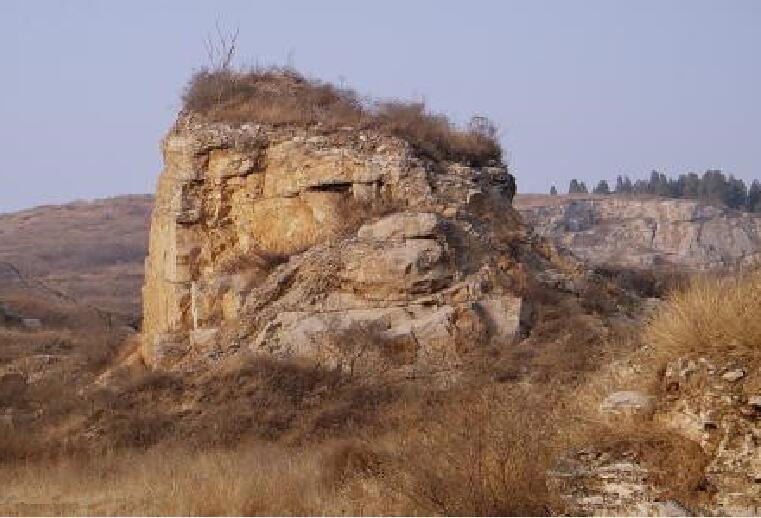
(602, 187)
(626, 186)
(577, 187)
(753, 201)
(641, 187)
(713, 187)
(659, 184)
(689, 186)
(553, 191)
(619, 185)
(736, 193)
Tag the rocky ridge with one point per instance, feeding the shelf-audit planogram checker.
(645, 233)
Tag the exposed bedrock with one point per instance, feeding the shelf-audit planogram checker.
(632, 232)
(296, 243)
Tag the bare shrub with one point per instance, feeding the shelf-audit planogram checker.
(363, 350)
(434, 135)
(482, 453)
(645, 283)
(16, 446)
(353, 212)
(221, 48)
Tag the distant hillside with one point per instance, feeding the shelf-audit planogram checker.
(91, 250)
(645, 231)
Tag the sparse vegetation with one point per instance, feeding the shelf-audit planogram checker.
(285, 97)
(265, 436)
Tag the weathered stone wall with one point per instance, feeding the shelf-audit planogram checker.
(643, 233)
(281, 241)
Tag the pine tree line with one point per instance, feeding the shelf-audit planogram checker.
(712, 187)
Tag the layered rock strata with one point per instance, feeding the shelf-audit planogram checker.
(645, 233)
(334, 246)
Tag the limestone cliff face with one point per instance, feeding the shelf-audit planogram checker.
(632, 232)
(292, 242)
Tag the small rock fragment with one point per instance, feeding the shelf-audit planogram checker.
(627, 401)
(733, 375)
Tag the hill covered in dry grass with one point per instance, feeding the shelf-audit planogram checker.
(90, 250)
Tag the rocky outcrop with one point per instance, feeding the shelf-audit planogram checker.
(339, 246)
(645, 233)
(595, 482)
(712, 403)
(716, 403)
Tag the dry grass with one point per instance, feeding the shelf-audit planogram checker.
(712, 313)
(275, 437)
(262, 436)
(284, 97)
(471, 452)
(170, 481)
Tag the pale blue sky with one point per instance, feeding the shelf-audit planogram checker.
(580, 89)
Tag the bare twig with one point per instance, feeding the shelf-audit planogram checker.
(221, 48)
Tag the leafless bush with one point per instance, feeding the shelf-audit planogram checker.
(645, 283)
(483, 452)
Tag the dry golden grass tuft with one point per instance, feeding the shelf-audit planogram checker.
(284, 97)
(712, 313)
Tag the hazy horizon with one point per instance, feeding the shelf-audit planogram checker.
(586, 89)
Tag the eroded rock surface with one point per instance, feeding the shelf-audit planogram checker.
(594, 482)
(291, 242)
(711, 403)
(644, 233)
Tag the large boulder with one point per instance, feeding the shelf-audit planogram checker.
(292, 241)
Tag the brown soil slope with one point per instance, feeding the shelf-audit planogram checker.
(93, 251)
